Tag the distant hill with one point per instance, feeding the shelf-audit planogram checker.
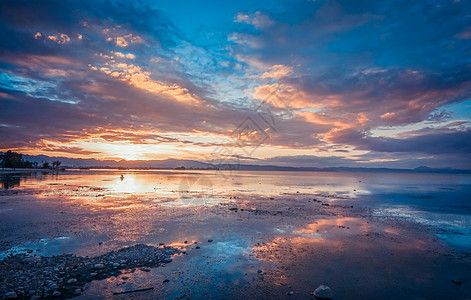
(193, 164)
(152, 164)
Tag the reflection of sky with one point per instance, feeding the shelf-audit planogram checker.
(422, 198)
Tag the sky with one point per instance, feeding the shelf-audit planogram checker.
(292, 83)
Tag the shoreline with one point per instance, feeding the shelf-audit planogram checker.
(281, 239)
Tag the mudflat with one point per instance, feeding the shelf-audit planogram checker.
(197, 234)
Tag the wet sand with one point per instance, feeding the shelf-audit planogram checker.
(250, 244)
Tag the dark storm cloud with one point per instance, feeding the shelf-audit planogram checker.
(450, 141)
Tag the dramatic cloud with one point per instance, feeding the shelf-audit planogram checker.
(365, 83)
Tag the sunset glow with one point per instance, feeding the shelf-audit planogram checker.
(290, 83)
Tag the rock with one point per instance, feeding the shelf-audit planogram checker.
(259, 271)
(197, 247)
(290, 293)
(77, 292)
(115, 265)
(457, 281)
(11, 295)
(35, 297)
(145, 269)
(52, 285)
(210, 241)
(72, 280)
(56, 294)
(167, 260)
(99, 266)
(165, 281)
(323, 292)
(93, 274)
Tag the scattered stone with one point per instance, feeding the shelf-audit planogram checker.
(100, 243)
(56, 294)
(185, 242)
(167, 260)
(32, 276)
(290, 293)
(145, 269)
(323, 292)
(52, 285)
(11, 295)
(210, 241)
(197, 247)
(165, 281)
(35, 297)
(259, 271)
(233, 208)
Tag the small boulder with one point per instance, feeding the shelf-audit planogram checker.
(99, 266)
(56, 294)
(11, 295)
(77, 292)
(323, 292)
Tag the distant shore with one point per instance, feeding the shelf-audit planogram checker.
(20, 170)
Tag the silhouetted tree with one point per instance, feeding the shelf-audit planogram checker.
(56, 164)
(45, 165)
(11, 159)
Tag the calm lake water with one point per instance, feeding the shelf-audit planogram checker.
(441, 200)
(258, 220)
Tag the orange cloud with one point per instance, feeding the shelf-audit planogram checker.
(135, 76)
(59, 38)
(277, 72)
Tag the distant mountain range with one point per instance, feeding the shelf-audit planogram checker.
(193, 164)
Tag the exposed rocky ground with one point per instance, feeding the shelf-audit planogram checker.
(34, 277)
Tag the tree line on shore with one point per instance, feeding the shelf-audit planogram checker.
(14, 160)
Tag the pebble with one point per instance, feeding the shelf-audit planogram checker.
(165, 281)
(210, 240)
(52, 285)
(259, 271)
(11, 295)
(290, 293)
(56, 294)
(34, 275)
(197, 247)
(323, 292)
